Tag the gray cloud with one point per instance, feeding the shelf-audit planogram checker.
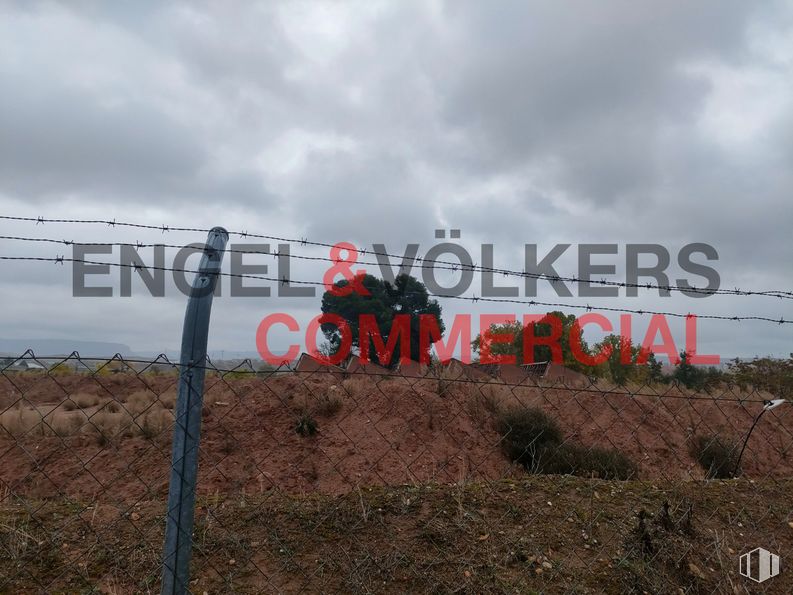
(379, 122)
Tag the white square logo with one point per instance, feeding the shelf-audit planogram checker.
(759, 565)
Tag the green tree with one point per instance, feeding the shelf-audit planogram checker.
(544, 327)
(641, 367)
(622, 372)
(688, 374)
(774, 375)
(406, 297)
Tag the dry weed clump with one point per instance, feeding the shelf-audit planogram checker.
(60, 423)
(306, 425)
(107, 424)
(356, 386)
(446, 377)
(328, 404)
(140, 401)
(110, 406)
(80, 401)
(18, 421)
(717, 455)
(10, 400)
(110, 420)
(26, 421)
(487, 400)
(61, 369)
(154, 423)
(168, 399)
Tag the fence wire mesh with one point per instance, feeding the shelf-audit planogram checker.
(357, 479)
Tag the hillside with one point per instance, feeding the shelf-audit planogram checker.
(403, 486)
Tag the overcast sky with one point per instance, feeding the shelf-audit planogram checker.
(515, 122)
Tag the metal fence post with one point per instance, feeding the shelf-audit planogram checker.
(187, 429)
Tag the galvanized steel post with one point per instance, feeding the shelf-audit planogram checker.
(187, 429)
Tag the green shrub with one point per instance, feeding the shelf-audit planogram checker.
(534, 439)
(716, 455)
(574, 459)
(61, 369)
(241, 374)
(527, 433)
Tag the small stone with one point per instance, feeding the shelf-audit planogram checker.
(135, 516)
(694, 569)
(232, 562)
(547, 565)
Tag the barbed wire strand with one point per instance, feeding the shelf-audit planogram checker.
(417, 260)
(473, 299)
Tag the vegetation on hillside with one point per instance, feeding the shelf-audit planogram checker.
(406, 297)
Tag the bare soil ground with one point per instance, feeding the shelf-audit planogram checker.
(543, 534)
(370, 431)
(403, 487)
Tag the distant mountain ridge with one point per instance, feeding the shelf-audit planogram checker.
(102, 349)
(47, 347)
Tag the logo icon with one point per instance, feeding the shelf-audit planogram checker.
(759, 565)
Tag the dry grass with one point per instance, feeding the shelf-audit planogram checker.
(61, 424)
(155, 423)
(487, 400)
(8, 400)
(505, 543)
(328, 404)
(168, 399)
(142, 415)
(325, 405)
(210, 398)
(356, 386)
(107, 425)
(112, 425)
(446, 376)
(110, 406)
(25, 421)
(61, 369)
(80, 401)
(140, 401)
(18, 421)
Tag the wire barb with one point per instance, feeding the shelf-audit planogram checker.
(423, 262)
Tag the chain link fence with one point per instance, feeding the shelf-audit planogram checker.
(358, 479)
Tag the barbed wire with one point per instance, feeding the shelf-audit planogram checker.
(474, 299)
(416, 260)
